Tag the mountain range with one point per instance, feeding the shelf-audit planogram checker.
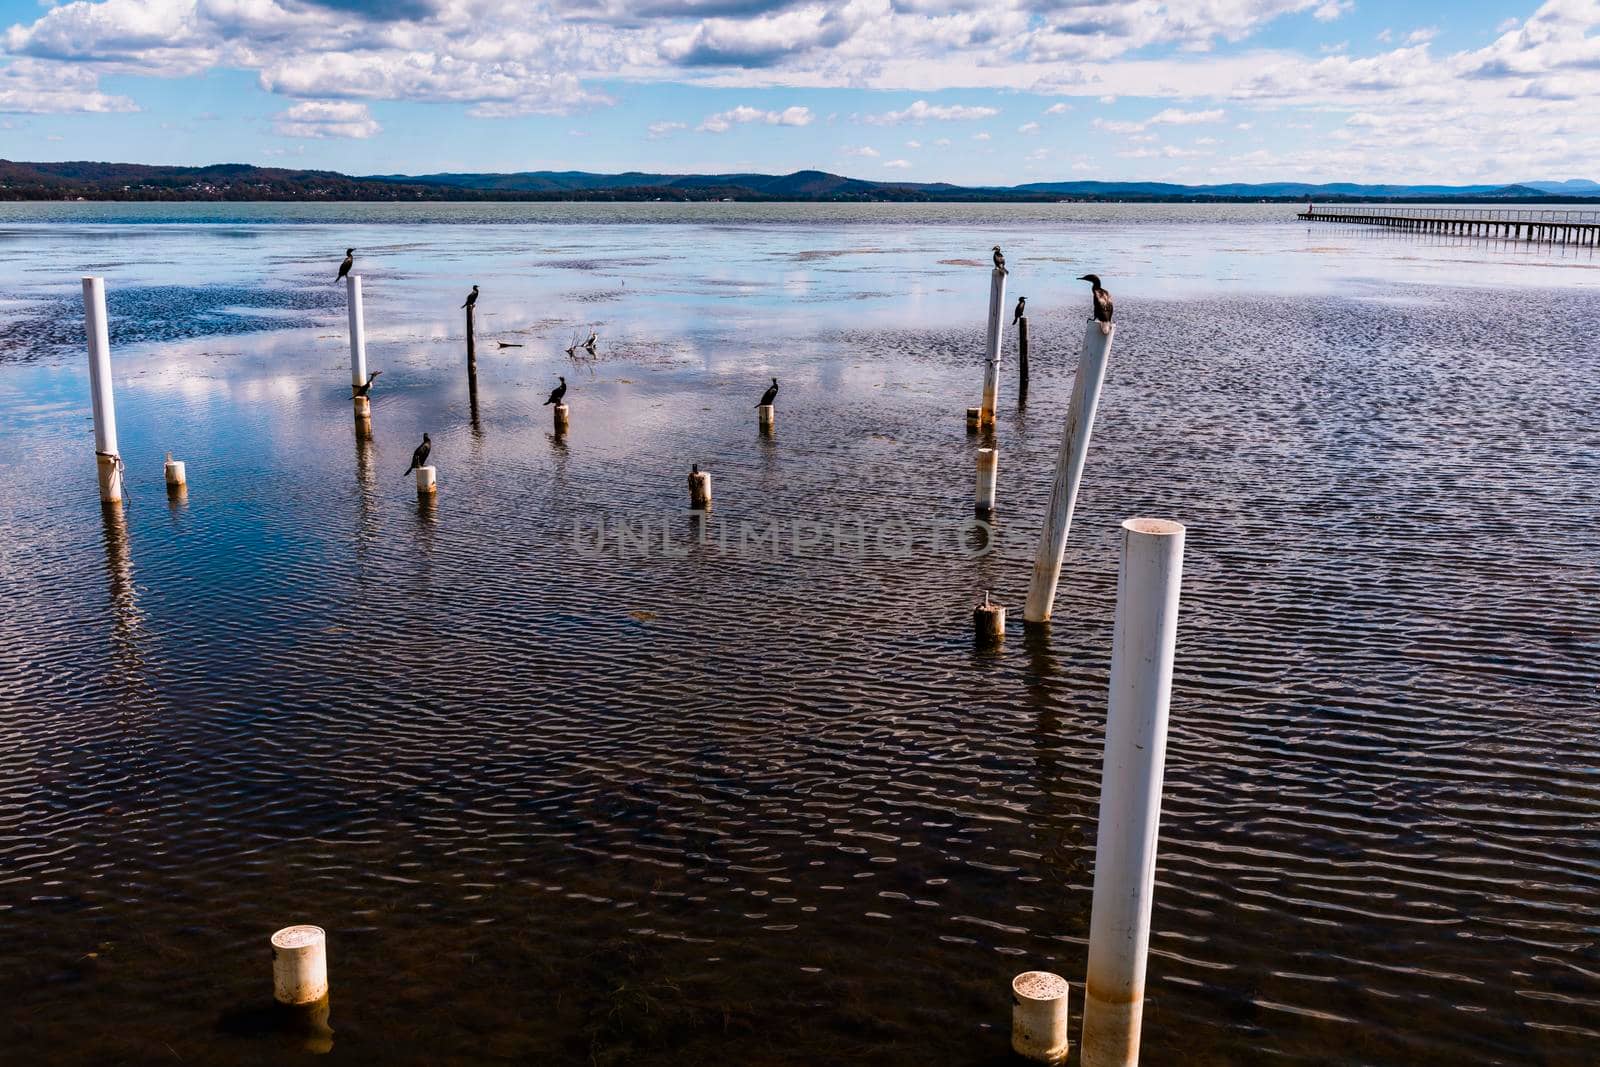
(238, 181)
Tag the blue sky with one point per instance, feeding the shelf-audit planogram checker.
(971, 91)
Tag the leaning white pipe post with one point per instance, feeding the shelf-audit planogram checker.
(1069, 471)
(1142, 646)
(988, 474)
(299, 965)
(108, 460)
(426, 483)
(1039, 1017)
(991, 349)
(358, 335)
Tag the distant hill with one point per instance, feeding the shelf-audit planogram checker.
(238, 181)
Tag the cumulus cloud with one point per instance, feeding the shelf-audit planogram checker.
(897, 164)
(1058, 109)
(864, 151)
(922, 111)
(319, 118)
(723, 121)
(658, 130)
(34, 87)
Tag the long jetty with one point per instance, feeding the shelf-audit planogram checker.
(1547, 225)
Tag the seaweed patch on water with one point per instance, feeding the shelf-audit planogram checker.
(141, 314)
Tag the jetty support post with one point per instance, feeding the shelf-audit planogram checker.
(1097, 338)
(991, 348)
(1039, 1017)
(988, 475)
(108, 459)
(1022, 358)
(1143, 641)
(299, 965)
(699, 489)
(472, 354)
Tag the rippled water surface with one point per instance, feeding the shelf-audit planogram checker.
(743, 803)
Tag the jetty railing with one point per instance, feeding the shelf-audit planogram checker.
(1553, 225)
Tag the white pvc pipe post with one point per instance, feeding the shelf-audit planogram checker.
(358, 330)
(108, 460)
(299, 965)
(175, 473)
(991, 348)
(988, 475)
(699, 489)
(561, 415)
(1039, 1017)
(1069, 471)
(1142, 647)
(767, 417)
(426, 483)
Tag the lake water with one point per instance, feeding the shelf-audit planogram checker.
(735, 799)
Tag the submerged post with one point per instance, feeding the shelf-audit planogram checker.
(108, 460)
(991, 348)
(1039, 1017)
(299, 965)
(699, 489)
(988, 474)
(1142, 646)
(358, 336)
(1097, 339)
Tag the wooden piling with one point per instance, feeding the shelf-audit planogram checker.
(988, 622)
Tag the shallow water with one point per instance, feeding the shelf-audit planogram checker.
(729, 804)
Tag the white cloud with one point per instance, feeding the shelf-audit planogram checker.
(723, 121)
(897, 164)
(658, 130)
(913, 144)
(865, 151)
(1028, 127)
(320, 118)
(1331, 10)
(1423, 35)
(922, 111)
(1058, 109)
(36, 87)
(980, 137)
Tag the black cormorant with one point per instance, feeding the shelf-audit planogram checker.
(1102, 299)
(364, 390)
(349, 261)
(420, 456)
(770, 395)
(472, 298)
(1022, 309)
(557, 393)
(1000, 260)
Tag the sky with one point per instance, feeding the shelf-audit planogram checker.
(993, 92)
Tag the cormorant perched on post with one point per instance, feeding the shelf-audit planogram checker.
(1022, 308)
(1000, 260)
(557, 393)
(594, 336)
(472, 298)
(770, 395)
(1102, 299)
(420, 456)
(349, 261)
(365, 390)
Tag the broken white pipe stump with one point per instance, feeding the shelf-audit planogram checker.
(988, 473)
(358, 333)
(767, 417)
(175, 474)
(426, 483)
(108, 460)
(989, 622)
(699, 489)
(991, 348)
(1143, 641)
(1069, 471)
(363, 407)
(974, 419)
(299, 965)
(1039, 1016)
(561, 418)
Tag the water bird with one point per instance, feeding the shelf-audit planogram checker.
(557, 393)
(1022, 307)
(593, 337)
(472, 298)
(420, 456)
(1000, 260)
(1102, 299)
(770, 395)
(349, 261)
(366, 390)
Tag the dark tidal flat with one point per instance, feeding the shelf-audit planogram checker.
(561, 804)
